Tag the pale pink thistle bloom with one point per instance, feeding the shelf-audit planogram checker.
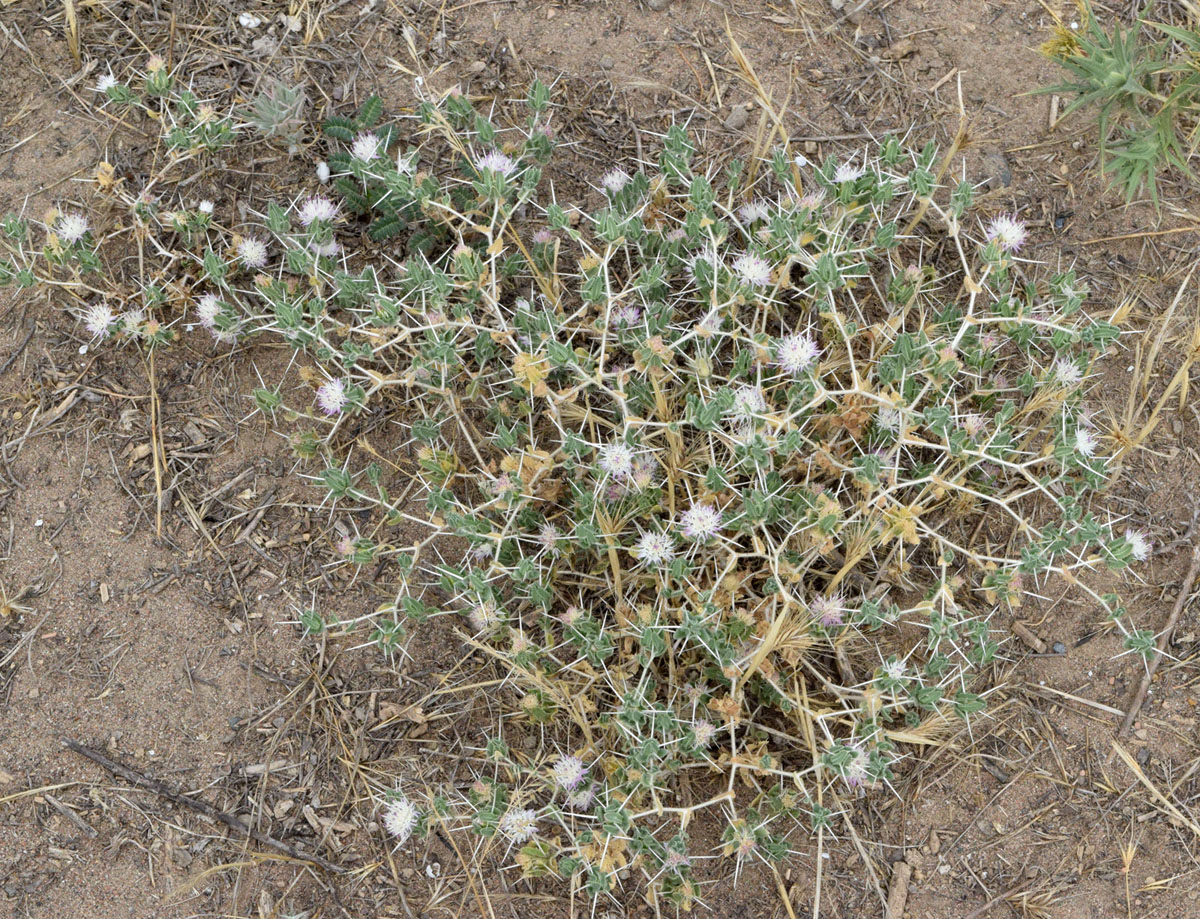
(848, 172)
(400, 818)
(570, 615)
(858, 769)
(568, 772)
(973, 424)
(208, 308)
(655, 548)
(317, 208)
(484, 617)
(1067, 372)
(71, 228)
(700, 522)
(548, 537)
(98, 319)
(644, 469)
(704, 731)
(331, 397)
(748, 403)
(1085, 442)
(616, 460)
(328, 249)
(1139, 545)
(519, 825)
(614, 491)
(1007, 232)
(252, 251)
(627, 315)
(828, 611)
(615, 180)
(365, 147)
(498, 163)
(544, 236)
(812, 201)
(754, 212)
(676, 861)
(797, 353)
(753, 269)
(582, 797)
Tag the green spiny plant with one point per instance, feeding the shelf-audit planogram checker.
(704, 464)
(1145, 93)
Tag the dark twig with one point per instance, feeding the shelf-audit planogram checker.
(200, 806)
(8, 361)
(1163, 640)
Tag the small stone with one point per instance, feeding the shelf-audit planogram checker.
(607, 63)
(1059, 648)
(737, 118)
(658, 5)
(998, 172)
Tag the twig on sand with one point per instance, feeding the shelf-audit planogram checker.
(1164, 639)
(208, 810)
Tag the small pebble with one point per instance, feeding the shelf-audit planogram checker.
(1059, 648)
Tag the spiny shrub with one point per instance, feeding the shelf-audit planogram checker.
(1145, 92)
(728, 472)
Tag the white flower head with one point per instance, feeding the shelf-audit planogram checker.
(485, 617)
(98, 319)
(582, 797)
(331, 397)
(70, 228)
(1085, 442)
(1139, 544)
(1067, 372)
(847, 172)
(568, 772)
(700, 521)
(106, 82)
(497, 162)
(365, 147)
(1007, 232)
(748, 402)
(519, 825)
(328, 249)
(894, 670)
(704, 732)
(973, 423)
(754, 212)
(857, 770)
(655, 548)
(753, 269)
(252, 251)
(208, 308)
(797, 353)
(615, 180)
(616, 459)
(205, 207)
(400, 818)
(323, 172)
(890, 419)
(317, 208)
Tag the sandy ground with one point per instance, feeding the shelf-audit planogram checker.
(173, 653)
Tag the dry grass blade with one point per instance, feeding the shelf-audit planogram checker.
(72, 30)
(1158, 795)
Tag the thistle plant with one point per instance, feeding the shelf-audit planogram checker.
(1145, 91)
(277, 112)
(730, 478)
